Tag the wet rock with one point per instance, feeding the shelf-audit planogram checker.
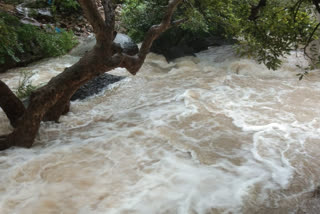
(95, 86)
(76, 28)
(187, 46)
(125, 42)
(91, 88)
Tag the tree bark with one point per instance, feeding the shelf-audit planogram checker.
(4, 142)
(52, 100)
(10, 103)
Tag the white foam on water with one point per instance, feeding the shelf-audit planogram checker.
(206, 134)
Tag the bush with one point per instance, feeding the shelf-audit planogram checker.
(17, 39)
(61, 6)
(138, 16)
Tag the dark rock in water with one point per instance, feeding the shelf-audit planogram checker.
(124, 41)
(179, 51)
(127, 44)
(92, 87)
(187, 46)
(95, 86)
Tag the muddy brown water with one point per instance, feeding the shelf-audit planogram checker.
(206, 134)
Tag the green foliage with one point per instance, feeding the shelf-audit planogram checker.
(138, 16)
(61, 6)
(8, 38)
(66, 6)
(17, 38)
(276, 32)
(215, 17)
(280, 27)
(25, 87)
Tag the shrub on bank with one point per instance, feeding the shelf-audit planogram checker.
(18, 41)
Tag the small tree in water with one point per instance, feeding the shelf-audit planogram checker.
(49, 102)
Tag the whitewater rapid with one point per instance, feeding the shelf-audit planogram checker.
(208, 134)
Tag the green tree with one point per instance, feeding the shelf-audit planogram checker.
(266, 29)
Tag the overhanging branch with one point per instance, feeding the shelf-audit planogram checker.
(134, 63)
(155, 31)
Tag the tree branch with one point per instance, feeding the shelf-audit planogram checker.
(11, 105)
(134, 63)
(256, 9)
(309, 41)
(296, 8)
(91, 12)
(155, 31)
(109, 16)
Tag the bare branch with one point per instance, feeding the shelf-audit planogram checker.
(310, 40)
(10, 104)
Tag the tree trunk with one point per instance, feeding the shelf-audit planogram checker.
(11, 105)
(51, 101)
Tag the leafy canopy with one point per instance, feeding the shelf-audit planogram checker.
(279, 27)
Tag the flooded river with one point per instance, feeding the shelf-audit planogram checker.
(200, 135)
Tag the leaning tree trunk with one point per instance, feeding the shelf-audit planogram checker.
(11, 105)
(52, 100)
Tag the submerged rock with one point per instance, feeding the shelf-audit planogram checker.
(95, 86)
